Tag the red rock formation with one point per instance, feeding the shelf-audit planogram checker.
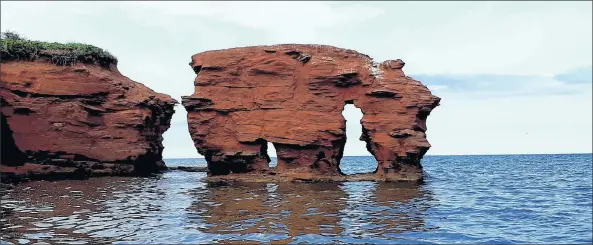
(86, 119)
(293, 96)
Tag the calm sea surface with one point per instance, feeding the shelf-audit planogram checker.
(466, 199)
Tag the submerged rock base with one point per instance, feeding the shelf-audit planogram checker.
(272, 176)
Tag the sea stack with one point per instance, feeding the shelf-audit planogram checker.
(68, 112)
(292, 96)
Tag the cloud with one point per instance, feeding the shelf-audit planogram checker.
(578, 76)
(279, 21)
(508, 85)
(529, 51)
(501, 38)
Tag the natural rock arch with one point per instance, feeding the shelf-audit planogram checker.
(292, 96)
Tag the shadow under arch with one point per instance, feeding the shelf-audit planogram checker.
(11, 154)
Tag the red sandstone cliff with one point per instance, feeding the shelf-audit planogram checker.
(293, 96)
(79, 120)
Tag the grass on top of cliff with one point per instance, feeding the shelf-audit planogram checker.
(15, 47)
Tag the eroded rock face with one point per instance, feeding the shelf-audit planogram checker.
(293, 96)
(84, 119)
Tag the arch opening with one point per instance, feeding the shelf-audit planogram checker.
(356, 158)
(272, 155)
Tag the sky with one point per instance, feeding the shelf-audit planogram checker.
(514, 77)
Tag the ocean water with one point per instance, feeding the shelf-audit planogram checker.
(466, 199)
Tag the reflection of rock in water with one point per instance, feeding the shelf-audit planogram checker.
(377, 208)
(284, 209)
(51, 210)
(174, 210)
(287, 212)
(97, 210)
(229, 209)
(313, 207)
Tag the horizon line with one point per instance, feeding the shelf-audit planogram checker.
(492, 154)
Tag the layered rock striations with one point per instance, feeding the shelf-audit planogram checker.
(293, 96)
(78, 119)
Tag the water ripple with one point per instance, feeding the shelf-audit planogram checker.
(467, 199)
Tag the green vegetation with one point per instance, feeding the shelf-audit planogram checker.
(15, 47)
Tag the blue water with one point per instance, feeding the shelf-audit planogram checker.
(466, 199)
